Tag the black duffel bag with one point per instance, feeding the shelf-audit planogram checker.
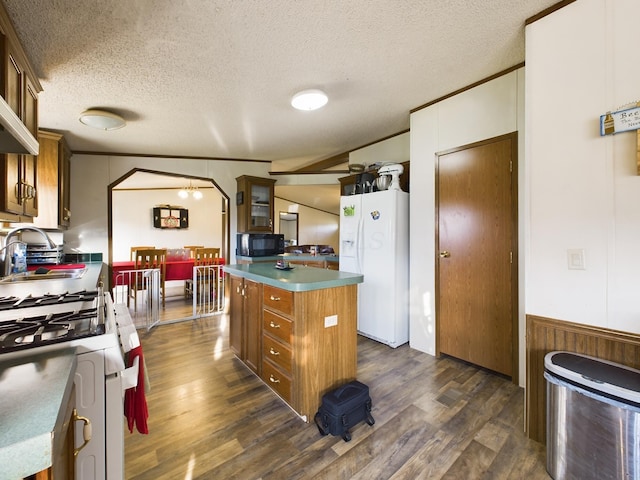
(343, 408)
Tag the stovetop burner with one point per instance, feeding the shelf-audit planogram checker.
(9, 303)
(28, 332)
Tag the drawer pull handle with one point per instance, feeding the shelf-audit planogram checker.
(273, 352)
(273, 379)
(274, 325)
(275, 299)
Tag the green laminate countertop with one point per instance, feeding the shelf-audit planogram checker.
(290, 256)
(298, 279)
(34, 392)
(88, 281)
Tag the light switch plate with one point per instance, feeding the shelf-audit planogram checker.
(575, 259)
(330, 321)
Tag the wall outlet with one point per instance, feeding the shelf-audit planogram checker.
(575, 259)
(330, 321)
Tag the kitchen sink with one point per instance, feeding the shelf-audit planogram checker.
(40, 274)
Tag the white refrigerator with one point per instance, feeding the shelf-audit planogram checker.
(374, 241)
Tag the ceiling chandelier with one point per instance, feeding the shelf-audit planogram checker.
(190, 190)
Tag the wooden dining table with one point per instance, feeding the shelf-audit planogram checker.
(174, 269)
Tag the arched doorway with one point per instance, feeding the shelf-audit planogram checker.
(131, 201)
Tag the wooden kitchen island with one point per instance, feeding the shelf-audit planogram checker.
(295, 329)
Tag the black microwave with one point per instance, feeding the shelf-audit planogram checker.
(259, 244)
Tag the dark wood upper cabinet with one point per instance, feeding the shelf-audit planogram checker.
(254, 203)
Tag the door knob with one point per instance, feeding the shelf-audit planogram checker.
(445, 254)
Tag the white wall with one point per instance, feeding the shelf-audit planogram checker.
(91, 175)
(584, 189)
(133, 222)
(315, 227)
(488, 110)
(392, 150)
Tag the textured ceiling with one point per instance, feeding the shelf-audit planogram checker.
(214, 78)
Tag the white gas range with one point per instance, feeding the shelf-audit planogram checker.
(88, 321)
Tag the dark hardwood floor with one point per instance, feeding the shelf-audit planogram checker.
(211, 418)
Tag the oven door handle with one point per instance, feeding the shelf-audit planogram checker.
(86, 430)
(129, 376)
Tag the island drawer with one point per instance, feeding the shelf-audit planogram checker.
(278, 299)
(277, 352)
(277, 380)
(277, 326)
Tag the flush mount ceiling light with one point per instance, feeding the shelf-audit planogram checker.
(102, 120)
(195, 193)
(309, 100)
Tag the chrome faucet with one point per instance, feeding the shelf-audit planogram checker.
(9, 240)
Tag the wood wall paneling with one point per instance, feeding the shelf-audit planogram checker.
(546, 335)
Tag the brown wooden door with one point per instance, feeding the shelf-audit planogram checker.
(476, 242)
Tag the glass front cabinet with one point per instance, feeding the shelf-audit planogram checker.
(254, 202)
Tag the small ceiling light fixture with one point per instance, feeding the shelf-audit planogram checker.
(195, 193)
(102, 120)
(309, 100)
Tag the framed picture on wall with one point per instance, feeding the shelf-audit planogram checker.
(170, 216)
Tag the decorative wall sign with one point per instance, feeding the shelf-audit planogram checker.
(170, 216)
(623, 120)
(620, 121)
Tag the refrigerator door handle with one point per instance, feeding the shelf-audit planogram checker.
(360, 243)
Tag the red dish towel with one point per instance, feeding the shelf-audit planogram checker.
(135, 403)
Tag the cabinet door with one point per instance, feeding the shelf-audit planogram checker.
(53, 181)
(12, 93)
(254, 202)
(20, 189)
(64, 190)
(30, 168)
(235, 315)
(29, 185)
(13, 80)
(47, 183)
(261, 207)
(30, 112)
(253, 324)
(64, 446)
(12, 189)
(19, 192)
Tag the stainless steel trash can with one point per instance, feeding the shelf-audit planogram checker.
(593, 418)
